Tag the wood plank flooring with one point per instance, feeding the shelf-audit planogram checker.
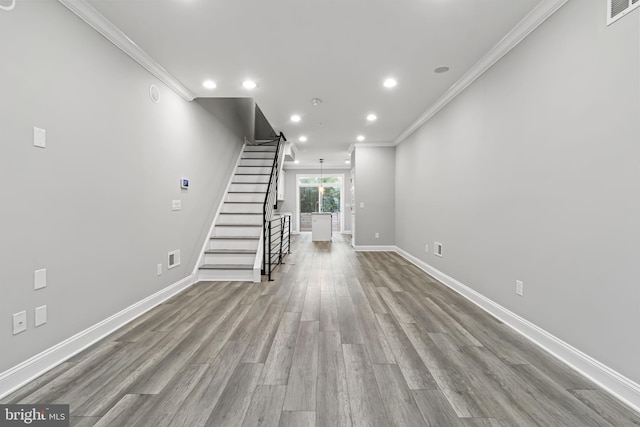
(338, 339)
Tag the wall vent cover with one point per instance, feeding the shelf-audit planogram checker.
(616, 9)
(173, 259)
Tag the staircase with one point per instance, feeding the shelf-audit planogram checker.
(233, 247)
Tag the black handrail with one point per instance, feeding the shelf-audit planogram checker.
(268, 206)
(278, 243)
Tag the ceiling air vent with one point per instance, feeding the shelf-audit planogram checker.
(616, 9)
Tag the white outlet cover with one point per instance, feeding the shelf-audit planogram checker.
(19, 322)
(176, 205)
(519, 288)
(361, 205)
(39, 137)
(40, 279)
(41, 315)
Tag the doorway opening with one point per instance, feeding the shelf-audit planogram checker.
(316, 194)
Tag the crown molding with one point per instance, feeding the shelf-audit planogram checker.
(101, 24)
(529, 23)
(373, 144)
(315, 166)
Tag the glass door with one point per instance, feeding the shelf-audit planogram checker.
(309, 202)
(320, 195)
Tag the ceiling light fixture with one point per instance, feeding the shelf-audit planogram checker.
(390, 82)
(249, 84)
(347, 161)
(316, 101)
(441, 70)
(209, 84)
(360, 138)
(296, 161)
(295, 118)
(302, 139)
(372, 117)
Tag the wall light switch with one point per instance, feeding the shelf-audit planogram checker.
(39, 137)
(377, 235)
(41, 315)
(40, 279)
(159, 271)
(519, 288)
(19, 322)
(176, 205)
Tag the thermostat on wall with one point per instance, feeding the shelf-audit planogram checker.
(184, 183)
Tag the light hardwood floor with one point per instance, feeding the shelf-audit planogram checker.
(338, 339)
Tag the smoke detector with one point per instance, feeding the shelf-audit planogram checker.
(316, 101)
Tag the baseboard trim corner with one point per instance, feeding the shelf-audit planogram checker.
(30, 369)
(615, 383)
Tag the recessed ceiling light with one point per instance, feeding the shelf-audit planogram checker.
(360, 138)
(209, 84)
(390, 82)
(302, 139)
(372, 117)
(295, 118)
(441, 70)
(347, 161)
(296, 161)
(249, 84)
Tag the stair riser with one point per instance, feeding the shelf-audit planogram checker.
(258, 155)
(240, 219)
(253, 169)
(256, 162)
(242, 208)
(221, 231)
(250, 197)
(260, 148)
(251, 178)
(217, 259)
(261, 188)
(226, 275)
(233, 244)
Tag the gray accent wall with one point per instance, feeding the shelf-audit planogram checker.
(94, 207)
(375, 171)
(533, 174)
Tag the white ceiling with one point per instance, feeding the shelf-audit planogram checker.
(337, 50)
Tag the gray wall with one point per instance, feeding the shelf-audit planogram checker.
(289, 204)
(94, 207)
(532, 174)
(375, 171)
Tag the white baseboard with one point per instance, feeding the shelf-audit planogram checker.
(615, 383)
(361, 248)
(32, 368)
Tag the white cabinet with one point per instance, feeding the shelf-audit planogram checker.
(321, 226)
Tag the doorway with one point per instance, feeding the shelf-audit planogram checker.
(315, 194)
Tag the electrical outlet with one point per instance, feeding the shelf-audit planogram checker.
(176, 205)
(519, 288)
(377, 235)
(19, 322)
